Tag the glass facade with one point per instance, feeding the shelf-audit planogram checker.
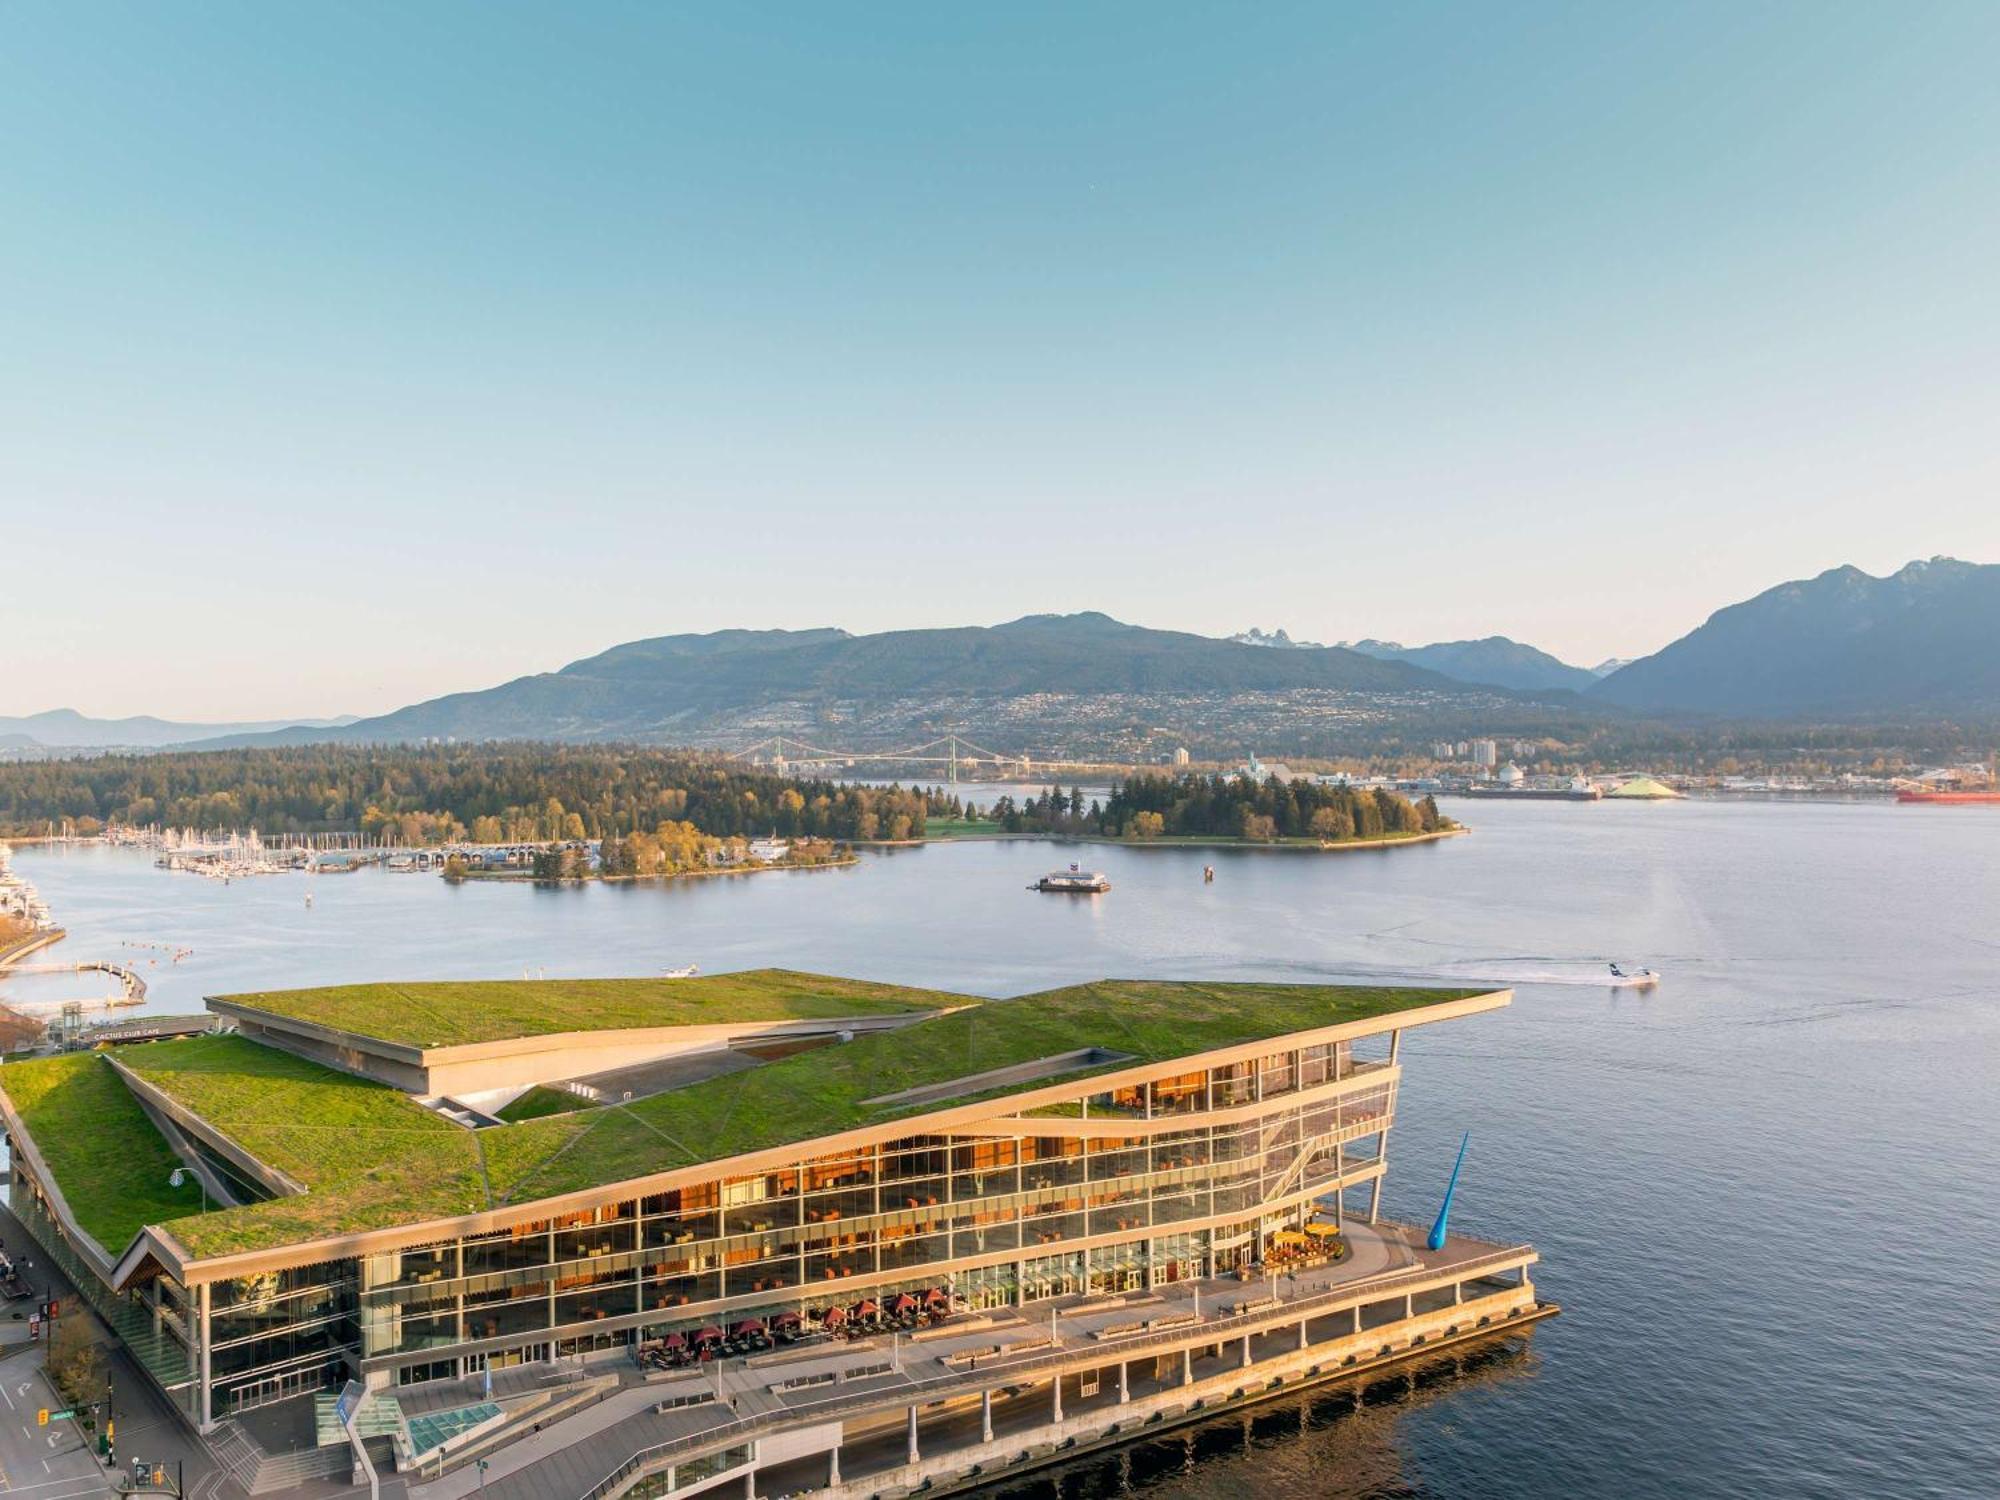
(1183, 1175)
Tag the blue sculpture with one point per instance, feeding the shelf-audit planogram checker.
(1436, 1241)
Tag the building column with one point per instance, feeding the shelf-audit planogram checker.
(913, 1435)
(1302, 1333)
(986, 1415)
(1409, 1307)
(1246, 1351)
(1375, 1198)
(1458, 1294)
(1357, 1317)
(833, 1466)
(207, 1376)
(1124, 1384)
(1187, 1365)
(1055, 1387)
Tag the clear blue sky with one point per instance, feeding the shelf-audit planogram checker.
(351, 353)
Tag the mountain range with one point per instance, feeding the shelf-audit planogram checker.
(66, 729)
(1844, 645)
(1922, 642)
(694, 687)
(1496, 661)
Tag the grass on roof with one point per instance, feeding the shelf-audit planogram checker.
(372, 1158)
(825, 1090)
(366, 1153)
(542, 1100)
(456, 1013)
(107, 1158)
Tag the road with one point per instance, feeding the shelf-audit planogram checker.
(47, 1463)
(42, 1463)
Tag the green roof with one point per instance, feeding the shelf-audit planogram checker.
(456, 1013)
(110, 1163)
(372, 1158)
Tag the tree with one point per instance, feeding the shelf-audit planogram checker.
(1148, 825)
(75, 1361)
(1258, 825)
(1330, 825)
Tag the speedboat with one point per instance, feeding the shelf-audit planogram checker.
(1632, 979)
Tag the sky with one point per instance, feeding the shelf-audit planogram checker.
(353, 353)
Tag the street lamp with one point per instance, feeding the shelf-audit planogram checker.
(179, 1179)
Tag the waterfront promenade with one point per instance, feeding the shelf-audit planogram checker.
(990, 1381)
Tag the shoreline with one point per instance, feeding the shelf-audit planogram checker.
(1295, 846)
(528, 877)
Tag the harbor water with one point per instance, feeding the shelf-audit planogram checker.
(1767, 1193)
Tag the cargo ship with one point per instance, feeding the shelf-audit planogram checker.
(1989, 792)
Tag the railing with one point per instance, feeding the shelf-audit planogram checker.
(1226, 1326)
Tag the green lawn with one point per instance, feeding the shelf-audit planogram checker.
(365, 1153)
(371, 1158)
(542, 1100)
(453, 1013)
(948, 828)
(818, 1092)
(107, 1158)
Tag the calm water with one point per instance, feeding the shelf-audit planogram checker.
(1767, 1195)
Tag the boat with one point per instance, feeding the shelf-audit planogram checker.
(1075, 881)
(1632, 979)
(1963, 789)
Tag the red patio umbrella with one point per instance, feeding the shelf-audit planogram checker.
(785, 1320)
(902, 1302)
(709, 1335)
(748, 1325)
(833, 1315)
(673, 1341)
(867, 1307)
(937, 1295)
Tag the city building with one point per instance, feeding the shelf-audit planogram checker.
(1066, 1212)
(1485, 753)
(1181, 755)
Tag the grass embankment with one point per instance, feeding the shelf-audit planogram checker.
(366, 1153)
(452, 1014)
(542, 1100)
(110, 1163)
(371, 1158)
(823, 1091)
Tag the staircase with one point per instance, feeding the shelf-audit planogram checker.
(261, 1473)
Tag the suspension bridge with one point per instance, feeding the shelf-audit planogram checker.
(952, 753)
